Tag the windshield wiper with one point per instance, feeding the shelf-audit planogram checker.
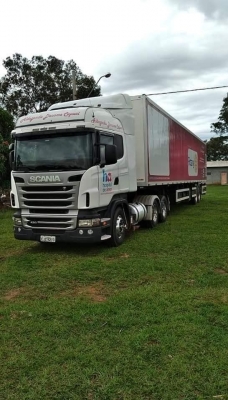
(76, 167)
(59, 167)
(50, 167)
(68, 167)
(24, 168)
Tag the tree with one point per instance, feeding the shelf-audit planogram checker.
(33, 85)
(3, 160)
(6, 124)
(217, 148)
(221, 127)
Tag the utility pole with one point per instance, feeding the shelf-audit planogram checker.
(74, 85)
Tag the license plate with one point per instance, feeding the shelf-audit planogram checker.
(50, 239)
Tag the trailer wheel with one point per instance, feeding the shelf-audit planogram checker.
(168, 205)
(194, 200)
(118, 231)
(155, 215)
(163, 209)
(198, 194)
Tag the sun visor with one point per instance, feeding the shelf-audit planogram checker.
(47, 117)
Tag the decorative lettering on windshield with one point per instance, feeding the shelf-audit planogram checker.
(43, 117)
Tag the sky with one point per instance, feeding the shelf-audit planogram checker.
(149, 46)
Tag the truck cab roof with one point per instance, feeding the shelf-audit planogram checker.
(116, 101)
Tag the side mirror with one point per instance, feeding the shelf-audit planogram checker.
(110, 155)
(11, 155)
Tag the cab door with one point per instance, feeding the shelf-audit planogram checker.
(109, 175)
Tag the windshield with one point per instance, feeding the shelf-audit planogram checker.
(54, 152)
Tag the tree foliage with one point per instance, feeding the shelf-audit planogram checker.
(221, 126)
(6, 124)
(4, 167)
(217, 148)
(32, 85)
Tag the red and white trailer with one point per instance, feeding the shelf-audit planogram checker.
(169, 157)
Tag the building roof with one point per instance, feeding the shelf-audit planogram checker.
(214, 164)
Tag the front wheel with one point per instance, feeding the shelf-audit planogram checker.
(118, 232)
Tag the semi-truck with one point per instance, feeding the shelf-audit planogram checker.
(90, 170)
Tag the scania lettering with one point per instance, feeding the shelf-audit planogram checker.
(40, 179)
(90, 170)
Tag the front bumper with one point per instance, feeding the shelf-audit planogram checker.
(22, 233)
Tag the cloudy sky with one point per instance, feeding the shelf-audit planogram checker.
(149, 46)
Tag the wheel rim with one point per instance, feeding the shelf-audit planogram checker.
(164, 210)
(120, 227)
(155, 213)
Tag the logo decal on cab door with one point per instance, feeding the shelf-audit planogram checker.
(106, 181)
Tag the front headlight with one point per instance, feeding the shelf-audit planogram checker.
(17, 221)
(84, 223)
(87, 223)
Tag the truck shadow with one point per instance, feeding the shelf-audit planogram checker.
(83, 250)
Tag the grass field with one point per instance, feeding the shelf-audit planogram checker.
(147, 320)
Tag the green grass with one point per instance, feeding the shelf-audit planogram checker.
(148, 320)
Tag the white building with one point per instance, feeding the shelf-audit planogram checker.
(217, 172)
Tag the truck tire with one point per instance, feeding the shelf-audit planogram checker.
(155, 215)
(168, 204)
(163, 209)
(118, 230)
(194, 200)
(198, 194)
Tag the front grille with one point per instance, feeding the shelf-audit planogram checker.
(47, 223)
(47, 197)
(46, 204)
(48, 208)
(45, 188)
(56, 211)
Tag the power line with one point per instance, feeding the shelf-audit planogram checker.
(189, 90)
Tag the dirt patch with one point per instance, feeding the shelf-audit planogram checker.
(13, 253)
(220, 271)
(153, 342)
(125, 255)
(13, 294)
(95, 293)
(224, 299)
(27, 293)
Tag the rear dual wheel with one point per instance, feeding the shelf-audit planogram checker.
(199, 194)
(155, 215)
(196, 199)
(164, 209)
